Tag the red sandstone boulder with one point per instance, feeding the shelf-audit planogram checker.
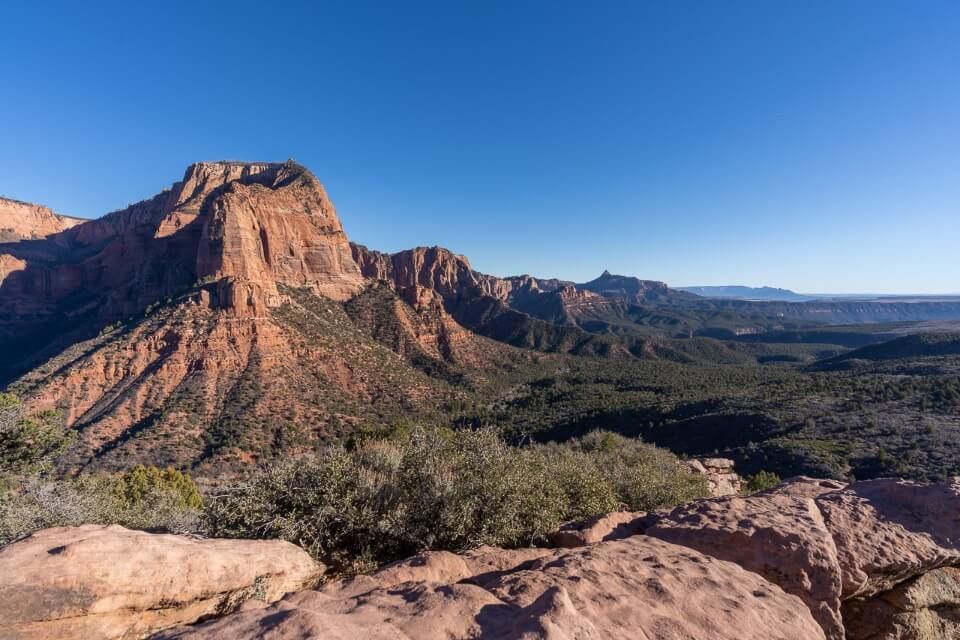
(96, 582)
(780, 537)
(825, 541)
(889, 531)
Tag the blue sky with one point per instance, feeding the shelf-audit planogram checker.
(811, 145)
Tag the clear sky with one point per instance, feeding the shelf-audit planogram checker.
(813, 145)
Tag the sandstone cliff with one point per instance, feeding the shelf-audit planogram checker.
(25, 221)
(205, 324)
(251, 227)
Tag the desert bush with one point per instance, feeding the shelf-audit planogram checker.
(644, 477)
(383, 499)
(761, 481)
(144, 498)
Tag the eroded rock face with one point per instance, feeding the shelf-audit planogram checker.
(96, 582)
(639, 587)
(251, 225)
(432, 269)
(282, 229)
(827, 542)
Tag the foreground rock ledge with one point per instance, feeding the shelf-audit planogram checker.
(808, 560)
(638, 587)
(94, 582)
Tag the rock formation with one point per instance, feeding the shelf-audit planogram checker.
(783, 538)
(183, 328)
(837, 547)
(925, 607)
(633, 289)
(108, 582)
(720, 475)
(255, 224)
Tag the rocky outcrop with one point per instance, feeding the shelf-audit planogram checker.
(638, 587)
(721, 477)
(96, 582)
(782, 538)
(889, 531)
(433, 269)
(634, 290)
(835, 546)
(25, 221)
(921, 608)
(280, 229)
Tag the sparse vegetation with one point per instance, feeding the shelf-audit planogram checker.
(143, 498)
(28, 443)
(32, 497)
(439, 489)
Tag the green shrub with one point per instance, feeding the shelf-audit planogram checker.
(384, 499)
(761, 481)
(142, 485)
(643, 476)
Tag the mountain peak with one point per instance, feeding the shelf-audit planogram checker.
(287, 233)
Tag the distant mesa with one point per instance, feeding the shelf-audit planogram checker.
(739, 292)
